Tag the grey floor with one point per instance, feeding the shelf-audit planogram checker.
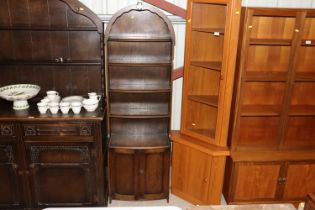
(174, 201)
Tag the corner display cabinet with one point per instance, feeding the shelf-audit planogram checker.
(139, 55)
(210, 56)
(51, 160)
(273, 135)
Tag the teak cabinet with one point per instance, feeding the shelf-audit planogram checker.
(210, 57)
(273, 123)
(139, 54)
(51, 160)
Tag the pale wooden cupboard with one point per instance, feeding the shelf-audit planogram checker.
(210, 57)
(272, 128)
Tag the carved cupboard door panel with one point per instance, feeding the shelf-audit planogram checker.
(10, 190)
(62, 175)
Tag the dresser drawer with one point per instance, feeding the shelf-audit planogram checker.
(66, 129)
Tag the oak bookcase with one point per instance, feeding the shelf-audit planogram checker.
(139, 46)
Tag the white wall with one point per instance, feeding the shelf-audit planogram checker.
(106, 8)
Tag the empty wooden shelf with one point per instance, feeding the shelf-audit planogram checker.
(139, 44)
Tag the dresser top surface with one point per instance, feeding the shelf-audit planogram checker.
(7, 113)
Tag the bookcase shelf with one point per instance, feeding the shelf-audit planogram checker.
(213, 65)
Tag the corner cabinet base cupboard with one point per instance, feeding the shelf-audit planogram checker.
(210, 57)
(197, 170)
(139, 54)
(272, 137)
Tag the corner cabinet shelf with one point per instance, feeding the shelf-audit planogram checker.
(210, 57)
(139, 45)
(273, 124)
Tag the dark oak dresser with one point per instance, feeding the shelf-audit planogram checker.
(51, 160)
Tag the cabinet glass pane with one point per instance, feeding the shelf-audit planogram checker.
(305, 69)
(262, 98)
(300, 133)
(268, 58)
(309, 29)
(301, 101)
(201, 118)
(207, 48)
(258, 132)
(202, 81)
(264, 27)
(208, 16)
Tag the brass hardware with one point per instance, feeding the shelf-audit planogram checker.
(59, 60)
(189, 20)
(193, 124)
(297, 30)
(282, 180)
(205, 180)
(237, 12)
(250, 26)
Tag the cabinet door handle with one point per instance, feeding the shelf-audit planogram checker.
(141, 171)
(205, 180)
(282, 180)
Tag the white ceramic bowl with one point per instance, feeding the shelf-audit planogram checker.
(19, 94)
